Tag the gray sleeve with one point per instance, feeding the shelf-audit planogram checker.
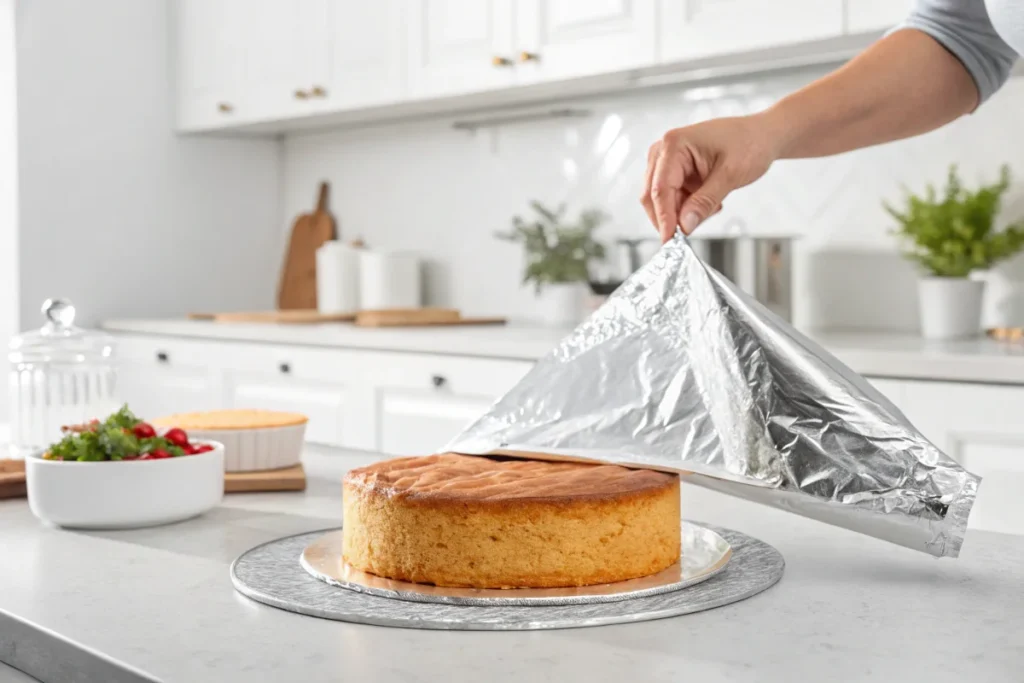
(963, 27)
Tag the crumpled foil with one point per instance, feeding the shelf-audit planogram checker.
(681, 371)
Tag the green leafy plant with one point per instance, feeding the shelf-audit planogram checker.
(557, 251)
(953, 234)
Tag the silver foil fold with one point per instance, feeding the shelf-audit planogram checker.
(681, 371)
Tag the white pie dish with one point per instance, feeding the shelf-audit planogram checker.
(257, 448)
(125, 494)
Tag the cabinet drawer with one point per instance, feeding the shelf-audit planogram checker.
(422, 402)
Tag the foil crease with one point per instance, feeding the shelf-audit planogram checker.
(681, 371)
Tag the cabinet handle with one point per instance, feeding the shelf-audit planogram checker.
(225, 108)
(318, 91)
(162, 357)
(438, 381)
(525, 56)
(301, 95)
(498, 60)
(285, 368)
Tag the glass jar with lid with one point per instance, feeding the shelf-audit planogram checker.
(59, 375)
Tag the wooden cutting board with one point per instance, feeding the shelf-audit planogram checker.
(287, 479)
(298, 316)
(12, 478)
(297, 287)
(419, 317)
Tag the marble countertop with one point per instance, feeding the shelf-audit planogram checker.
(157, 604)
(874, 354)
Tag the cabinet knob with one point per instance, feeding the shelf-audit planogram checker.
(285, 368)
(162, 357)
(225, 108)
(498, 60)
(301, 95)
(318, 91)
(438, 381)
(525, 56)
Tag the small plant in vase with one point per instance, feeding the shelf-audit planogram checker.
(950, 235)
(558, 253)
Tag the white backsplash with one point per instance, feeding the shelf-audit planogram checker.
(443, 192)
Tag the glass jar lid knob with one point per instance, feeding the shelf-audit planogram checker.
(59, 312)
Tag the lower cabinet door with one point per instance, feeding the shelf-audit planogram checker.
(154, 389)
(322, 402)
(979, 426)
(414, 422)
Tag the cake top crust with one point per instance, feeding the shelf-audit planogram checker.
(473, 478)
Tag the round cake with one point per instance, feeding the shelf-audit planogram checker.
(457, 520)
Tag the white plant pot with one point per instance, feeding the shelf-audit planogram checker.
(950, 307)
(561, 304)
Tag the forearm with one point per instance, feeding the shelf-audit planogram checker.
(904, 85)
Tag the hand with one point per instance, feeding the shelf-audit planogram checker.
(692, 169)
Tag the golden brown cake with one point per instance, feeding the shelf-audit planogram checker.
(231, 419)
(456, 520)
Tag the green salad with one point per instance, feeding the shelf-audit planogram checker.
(122, 436)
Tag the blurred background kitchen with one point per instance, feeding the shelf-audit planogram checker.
(161, 159)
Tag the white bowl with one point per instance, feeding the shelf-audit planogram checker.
(124, 494)
(262, 448)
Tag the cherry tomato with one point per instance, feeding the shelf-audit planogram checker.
(144, 430)
(204, 448)
(189, 449)
(177, 436)
(158, 454)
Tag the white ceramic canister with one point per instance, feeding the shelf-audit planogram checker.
(389, 280)
(337, 278)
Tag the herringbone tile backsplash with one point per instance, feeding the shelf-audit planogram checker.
(442, 192)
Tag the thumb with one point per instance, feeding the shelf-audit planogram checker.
(704, 202)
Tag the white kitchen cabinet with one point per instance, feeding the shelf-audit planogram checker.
(287, 62)
(367, 46)
(980, 427)
(460, 46)
(692, 29)
(209, 55)
(161, 376)
(874, 15)
(240, 61)
(423, 401)
(324, 403)
(559, 39)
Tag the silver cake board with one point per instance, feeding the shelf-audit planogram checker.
(272, 574)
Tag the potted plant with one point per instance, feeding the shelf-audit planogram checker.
(949, 237)
(557, 255)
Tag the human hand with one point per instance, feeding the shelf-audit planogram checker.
(690, 170)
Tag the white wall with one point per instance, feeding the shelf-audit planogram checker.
(443, 192)
(118, 213)
(8, 185)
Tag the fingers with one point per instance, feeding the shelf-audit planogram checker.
(705, 201)
(666, 192)
(645, 197)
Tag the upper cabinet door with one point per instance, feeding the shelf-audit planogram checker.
(459, 46)
(566, 38)
(701, 28)
(287, 60)
(367, 43)
(874, 15)
(210, 62)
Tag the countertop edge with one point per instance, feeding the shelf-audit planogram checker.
(873, 354)
(50, 657)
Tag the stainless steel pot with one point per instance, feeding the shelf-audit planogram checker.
(760, 266)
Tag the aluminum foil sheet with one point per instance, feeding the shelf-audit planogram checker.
(681, 371)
